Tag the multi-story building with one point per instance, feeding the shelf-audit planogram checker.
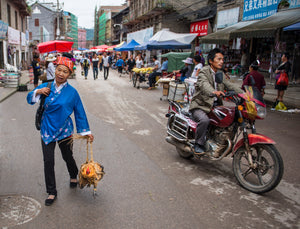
(81, 38)
(146, 17)
(103, 24)
(13, 34)
(89, 38)
(42, 23)
(71, 26)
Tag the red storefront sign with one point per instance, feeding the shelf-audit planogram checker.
(199, 27)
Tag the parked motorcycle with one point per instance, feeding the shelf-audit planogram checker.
(257, 164)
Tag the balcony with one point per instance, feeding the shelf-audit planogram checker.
(146, 11)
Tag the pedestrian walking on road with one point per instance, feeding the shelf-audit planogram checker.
(130, 66)
(284, 67)
(105, 60)
(61, 100)
(100, 62)
(95, 62)
(85, 65)
(120, 65)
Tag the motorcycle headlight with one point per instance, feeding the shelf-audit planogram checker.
(261, 111)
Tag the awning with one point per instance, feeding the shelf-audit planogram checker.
(268, 26)
(292, 27)
(224, 35)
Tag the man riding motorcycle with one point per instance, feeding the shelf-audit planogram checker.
(208, 94)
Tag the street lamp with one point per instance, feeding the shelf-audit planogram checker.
(121, 29)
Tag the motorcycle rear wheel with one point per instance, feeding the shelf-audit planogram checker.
(184, 154)
(269, 169)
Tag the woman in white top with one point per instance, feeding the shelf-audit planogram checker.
(193, 79)
(50, 69)
(139, 61)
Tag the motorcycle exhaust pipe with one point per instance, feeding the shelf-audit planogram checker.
(180, 145)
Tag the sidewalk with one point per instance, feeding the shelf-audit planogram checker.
(5, 92)
(291, 97)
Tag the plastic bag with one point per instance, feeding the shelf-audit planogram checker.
(280, 106)
(283, 79)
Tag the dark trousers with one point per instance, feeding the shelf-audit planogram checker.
(67, 154)
(106, 71)
(100, 67)
(202, 120)
(152, 78)
(95, 73)
(86, 72)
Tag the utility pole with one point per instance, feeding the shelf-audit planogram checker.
(57, 29)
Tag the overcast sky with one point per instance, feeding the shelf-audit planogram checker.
(84, 9)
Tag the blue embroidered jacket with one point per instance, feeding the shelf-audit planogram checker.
(56, 121)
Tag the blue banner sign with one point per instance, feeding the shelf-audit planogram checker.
(294, 3)
(3, 30)
(258, 9)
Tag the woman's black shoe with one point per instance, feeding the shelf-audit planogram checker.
(49, 202)
(73, 184)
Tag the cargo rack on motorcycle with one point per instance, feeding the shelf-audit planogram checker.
(177, 91)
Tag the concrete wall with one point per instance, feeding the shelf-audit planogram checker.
(46, 18)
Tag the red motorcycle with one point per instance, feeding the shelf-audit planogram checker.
(257, 164)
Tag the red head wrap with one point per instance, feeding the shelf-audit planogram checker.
(65, 61)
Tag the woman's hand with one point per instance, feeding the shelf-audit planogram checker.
(90, 137)
(43, 91)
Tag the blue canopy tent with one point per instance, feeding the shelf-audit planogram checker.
(129, 47)
(172, 44)
(295, 26)
(117, 48)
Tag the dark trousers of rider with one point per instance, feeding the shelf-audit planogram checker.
(152, 78)
(67, 154)
(202, 120)
(106, 70)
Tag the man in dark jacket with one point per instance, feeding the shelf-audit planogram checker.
(203, 101)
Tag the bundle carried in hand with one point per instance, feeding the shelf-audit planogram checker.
(91, 172)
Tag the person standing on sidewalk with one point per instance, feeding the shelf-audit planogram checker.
(285, 66)
(105, 60)
(57, 126)
(95, 62)
(50, 69)
(36, 70)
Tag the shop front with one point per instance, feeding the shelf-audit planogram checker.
(266, 38)
(3, 31)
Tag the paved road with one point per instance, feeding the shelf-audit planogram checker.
(147, 185)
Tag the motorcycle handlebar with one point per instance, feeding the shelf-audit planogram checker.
(227, 94)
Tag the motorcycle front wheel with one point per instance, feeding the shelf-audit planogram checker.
(183, 154)
(268, 172)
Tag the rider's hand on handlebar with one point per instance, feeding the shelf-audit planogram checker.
(219, 93)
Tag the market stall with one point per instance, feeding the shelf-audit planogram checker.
(56, 45)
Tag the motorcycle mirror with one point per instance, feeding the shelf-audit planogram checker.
(219, 77)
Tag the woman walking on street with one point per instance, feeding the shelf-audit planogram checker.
(56, 124)
(284, 67)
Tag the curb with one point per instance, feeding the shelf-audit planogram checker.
(8, 95)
